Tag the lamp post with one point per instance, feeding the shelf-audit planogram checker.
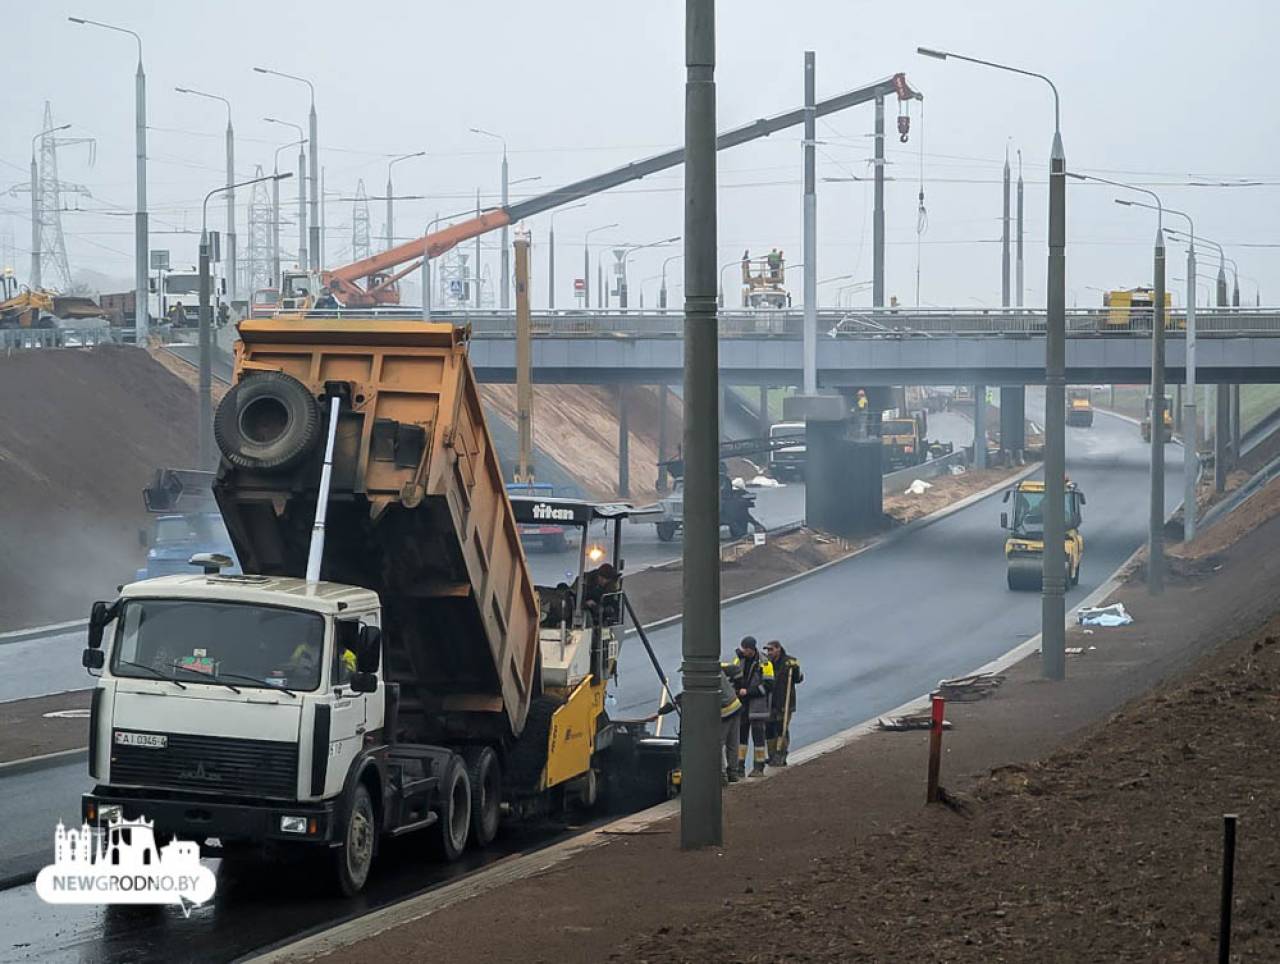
(302, 191)
(391, 194)
(141, 240)
(275, 206)
(1053, 601)
(632, 249)
(551, 252)
(426, 261)
(586, 262)
(662, 292)
(35, 208)
(1155, 522)
(505, 297)
(230, 192)
(314, 228)
(1190, 426)
(204, 433)
(391, 234)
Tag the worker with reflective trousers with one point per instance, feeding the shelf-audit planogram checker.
(753, 677)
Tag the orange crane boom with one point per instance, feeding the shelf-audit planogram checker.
(380, 270)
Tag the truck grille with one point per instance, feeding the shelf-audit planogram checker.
(210, 764)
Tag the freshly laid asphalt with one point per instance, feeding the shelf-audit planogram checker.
(871, 632)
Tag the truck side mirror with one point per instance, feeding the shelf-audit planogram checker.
(99, 615)
(369, 651)
(363, 682)
(1080, 496)
(1004, 520)
(93, 659)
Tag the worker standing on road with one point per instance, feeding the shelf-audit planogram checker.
(730, 711)
(782, 701)
(753, 678)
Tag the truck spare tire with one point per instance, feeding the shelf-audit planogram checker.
(269, 421)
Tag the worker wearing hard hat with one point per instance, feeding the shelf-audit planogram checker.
(753, 679)
(861, 401)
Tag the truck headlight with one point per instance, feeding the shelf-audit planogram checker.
(108, 812)
(290, 824)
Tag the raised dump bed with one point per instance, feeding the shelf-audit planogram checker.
(418, 511)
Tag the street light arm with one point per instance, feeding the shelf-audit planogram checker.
(204, 207)
(107, 26)
(281, 73)
(945, 54)
(51, 130)
(201, 93)
(402, 157)
(484, 133)
(1159, 205)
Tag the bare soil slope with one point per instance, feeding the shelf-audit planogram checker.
(71, 474)
(578, 426)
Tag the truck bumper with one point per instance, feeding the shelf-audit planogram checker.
(199, 818)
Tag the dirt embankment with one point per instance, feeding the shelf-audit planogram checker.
(81, 431)
(577, 425)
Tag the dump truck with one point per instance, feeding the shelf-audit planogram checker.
(1166, 419)
(1024, 548)
(1079, 407)
(385, 664)
(904, 440)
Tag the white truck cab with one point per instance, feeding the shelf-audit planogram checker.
(231, 708)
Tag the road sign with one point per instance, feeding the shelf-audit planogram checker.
(159, 260)
(579, 284)
(455, 288)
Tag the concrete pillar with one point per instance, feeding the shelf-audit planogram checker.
(1013, 424)
(762, 413)
(1221, 436)
(724, 390)
(1177, 408)
(1235, 425)
(661, 484)
(624, 446)
(979, 426)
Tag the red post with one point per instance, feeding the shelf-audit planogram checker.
(935, 747)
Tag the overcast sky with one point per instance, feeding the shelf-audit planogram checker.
(1152, 92)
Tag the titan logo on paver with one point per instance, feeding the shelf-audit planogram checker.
(119, 863)
(544, 511)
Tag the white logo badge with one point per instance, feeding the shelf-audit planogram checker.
(121, 864)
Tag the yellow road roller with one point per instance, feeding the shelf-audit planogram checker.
(1024, 548)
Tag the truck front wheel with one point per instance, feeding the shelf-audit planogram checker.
(454, 826)
(355, 857)
(666, 531)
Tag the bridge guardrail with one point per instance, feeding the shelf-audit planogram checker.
(29, 339)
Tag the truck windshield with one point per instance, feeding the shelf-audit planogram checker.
(898, 427)
(182, 284)
(183, 638)
(191, 528)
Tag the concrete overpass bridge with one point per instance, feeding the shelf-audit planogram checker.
(865, 347)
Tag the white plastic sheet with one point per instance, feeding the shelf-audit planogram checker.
(1113, 615)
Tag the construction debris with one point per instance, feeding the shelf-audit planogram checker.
(1114, 615)
(912, 721)
(969, 689)
(918, 487)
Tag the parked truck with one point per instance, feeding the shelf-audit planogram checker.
(386, 664)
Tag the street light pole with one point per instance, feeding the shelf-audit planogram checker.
(230, 192)
(586, 262)
(204, 430)
(662, 292)
(36, 240)
(314, 229)
(504, 300)
(1053, 616)
(302, 190)
(275, 209)
(141, 239)
(1155, 522)
(1190, 424)
(390, 210)
(632, 249)
(551, 252)
(1019, 285)
(700, 804)
(810, 228)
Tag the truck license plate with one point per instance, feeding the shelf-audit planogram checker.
(152, 741)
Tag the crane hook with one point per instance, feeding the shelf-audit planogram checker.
(904, 127)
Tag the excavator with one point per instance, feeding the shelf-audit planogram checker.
(374, 281)
(23, 307)
(1024, 549)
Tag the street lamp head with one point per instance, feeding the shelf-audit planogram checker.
(282, 177)
(929, 52)
(79, 20)
(261, 70)
(184, 90)
(1119, 200)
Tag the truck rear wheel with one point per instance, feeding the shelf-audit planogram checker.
(485, 773)
(666, 531)
(267, 422)
(354, 858)
(454, 826)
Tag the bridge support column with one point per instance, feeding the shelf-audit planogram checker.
(979, 426)
(661, 484)
(844, 483)
(762, 414)
(1013, 421)
(624, 446)
(1235, 426)
(1221, 433)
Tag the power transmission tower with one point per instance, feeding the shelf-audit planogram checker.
(50, 267)
(258, 265)
(360, 245)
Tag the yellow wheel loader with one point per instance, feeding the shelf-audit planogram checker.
(1024, 548)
